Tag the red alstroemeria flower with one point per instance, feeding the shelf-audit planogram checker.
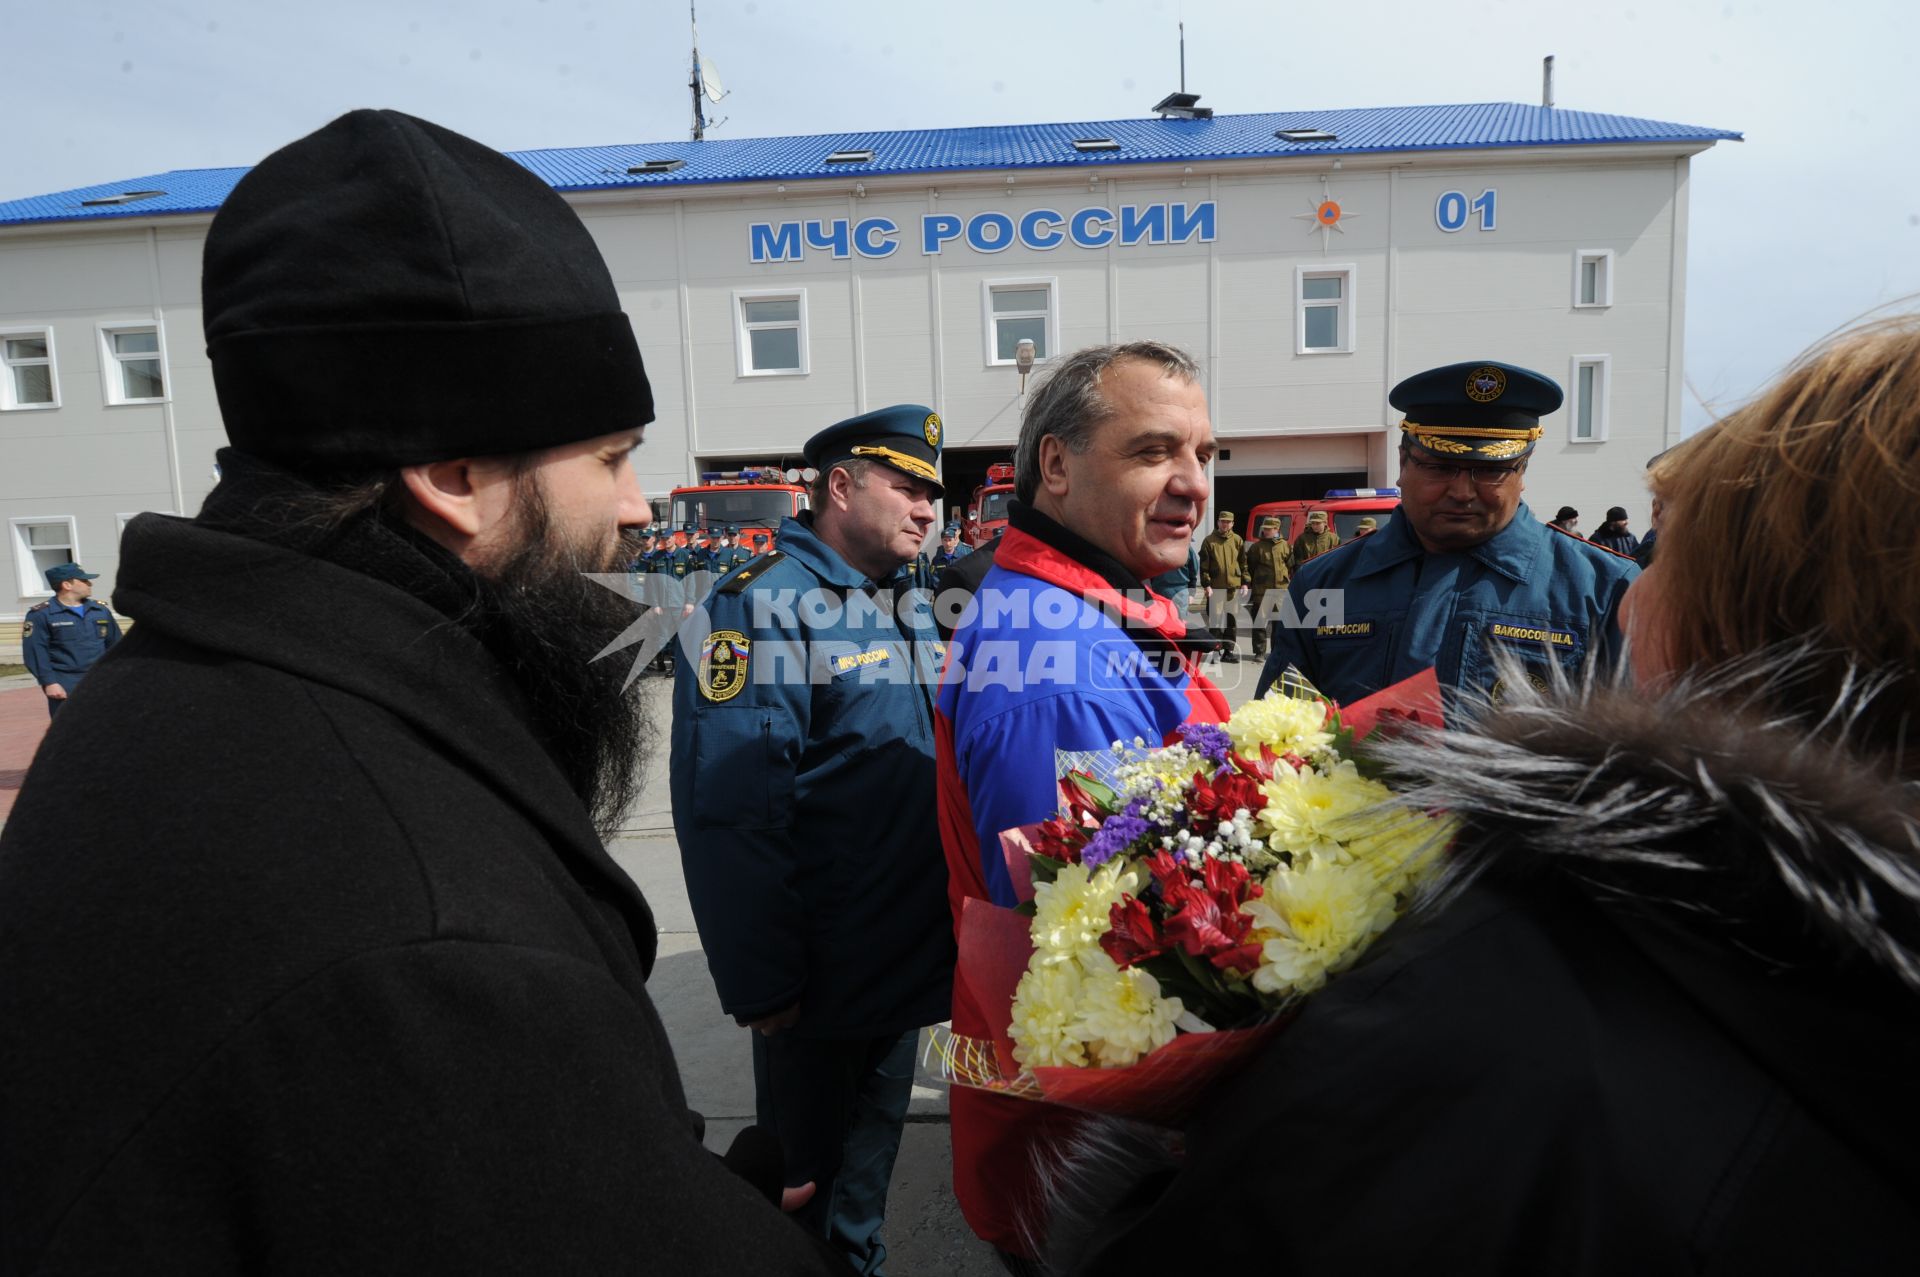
(1205, 918)
(1081, 805)
(1217, 800)
(1263, 768)
(1133, 936)
(1167, 872)
(1244, 958)
(1060, 839)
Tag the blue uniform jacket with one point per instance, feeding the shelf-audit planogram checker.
(1037, 668)
(803, 796)
(1532, 592)
(684, 560)
(59, 646)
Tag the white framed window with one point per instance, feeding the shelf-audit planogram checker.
(28, 378)
(770, 331)
(1593, 277)
(1323, 309)
(133, 361)
(1590, 379)
(41, 543)
(1017, 310)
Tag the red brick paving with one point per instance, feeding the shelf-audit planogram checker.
(23, 721)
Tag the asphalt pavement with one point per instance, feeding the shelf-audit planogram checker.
(925, 1233)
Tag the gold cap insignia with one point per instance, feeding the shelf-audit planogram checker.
(933, 430)
(1486, 384)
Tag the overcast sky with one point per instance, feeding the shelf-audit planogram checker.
(1812, 221)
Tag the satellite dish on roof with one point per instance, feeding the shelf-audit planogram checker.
(710, 80)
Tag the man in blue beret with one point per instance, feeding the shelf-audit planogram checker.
(64, 636)
(825, 926)
(1464, 576)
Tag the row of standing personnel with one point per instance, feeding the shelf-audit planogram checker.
(1262, 567)
(665, 555)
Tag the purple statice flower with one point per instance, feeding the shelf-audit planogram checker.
(1116, 833)
(1209, 740)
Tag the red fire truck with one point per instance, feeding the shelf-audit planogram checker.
(753, 499)
(987, 511)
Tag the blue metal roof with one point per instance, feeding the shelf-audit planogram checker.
(1360, 131)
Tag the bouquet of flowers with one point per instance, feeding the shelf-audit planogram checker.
(1186, 898)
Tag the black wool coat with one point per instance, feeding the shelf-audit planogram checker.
(1664, 1019)
(311, 961)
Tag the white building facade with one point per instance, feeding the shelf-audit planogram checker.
(771, 299)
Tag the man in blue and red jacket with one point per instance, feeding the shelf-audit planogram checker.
(1064, 647)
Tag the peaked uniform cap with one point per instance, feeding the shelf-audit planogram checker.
(907, 437)
(69, 572)
(1482, 410)
(376, 293)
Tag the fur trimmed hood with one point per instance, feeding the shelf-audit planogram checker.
(1768, 868)
(1778, 834)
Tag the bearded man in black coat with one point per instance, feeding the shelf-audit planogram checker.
(341, 977)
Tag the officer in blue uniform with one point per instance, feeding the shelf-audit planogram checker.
(659, 561)
(1463, 576)
(64, 636)
(826, 930)
(643, 556)
(686, 558)
(728, 554)
(950, 549)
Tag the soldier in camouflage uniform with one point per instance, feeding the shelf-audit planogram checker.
(1223, 573)
(1269, 568)
(1316, 540)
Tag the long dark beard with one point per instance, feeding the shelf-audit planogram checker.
(545, 620)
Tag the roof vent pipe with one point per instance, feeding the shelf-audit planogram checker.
(1546, 82)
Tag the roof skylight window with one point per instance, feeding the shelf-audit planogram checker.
(850, 157)
(124, 197)
(655, 166)
(1095, 144)
(1305, 135)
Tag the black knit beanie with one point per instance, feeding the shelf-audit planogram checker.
(385, 292)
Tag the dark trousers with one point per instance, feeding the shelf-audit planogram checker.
(1221, 618)
(1259, 632)
(838, 1107)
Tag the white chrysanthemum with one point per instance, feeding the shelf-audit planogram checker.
(1314, 919)
(1162, 772)
(1046, 1011)
(1311, 812)
(1285, 724)
(1123, 1016)
(1073, 911)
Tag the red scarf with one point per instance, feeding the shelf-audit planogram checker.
(1027, 554)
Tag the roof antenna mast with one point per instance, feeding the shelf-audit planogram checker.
(705, 82)
(1183, 105)
(699, 108)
